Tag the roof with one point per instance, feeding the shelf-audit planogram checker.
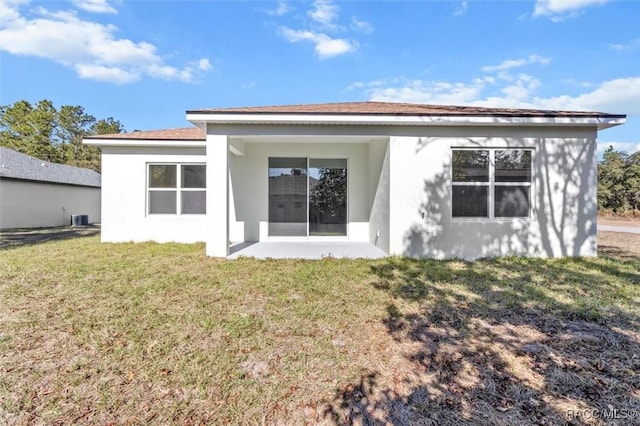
(392, 108)
(15, 165)
(181, 134)
(380, 113)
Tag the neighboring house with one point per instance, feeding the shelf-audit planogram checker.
(35, 193)
(417, 180)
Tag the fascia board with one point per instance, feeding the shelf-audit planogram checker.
(386, 120)
(144, 143)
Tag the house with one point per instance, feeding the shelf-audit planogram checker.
(35, 193)
(416, 180)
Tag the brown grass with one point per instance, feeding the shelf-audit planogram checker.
(625, 215)
(145, 333)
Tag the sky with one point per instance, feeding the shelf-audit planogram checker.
(145, 63)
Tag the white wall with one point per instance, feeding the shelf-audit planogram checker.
(563, 196)
(25, 204)
(216, 229)
(379, 186)
(250, 187)
(399, 192)
(124, 197)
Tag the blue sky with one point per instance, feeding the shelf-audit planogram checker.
(146, 62)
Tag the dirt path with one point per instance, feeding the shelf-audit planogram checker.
(22, 237)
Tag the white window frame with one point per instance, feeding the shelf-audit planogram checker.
(492, 184)
(178, 188)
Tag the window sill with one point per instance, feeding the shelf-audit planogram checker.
(490, 220)
(165, 215)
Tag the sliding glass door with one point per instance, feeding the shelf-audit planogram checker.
(307, 197)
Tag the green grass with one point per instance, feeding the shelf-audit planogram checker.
(150, 333)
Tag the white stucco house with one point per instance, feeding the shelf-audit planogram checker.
(416, 180)
(36, 193)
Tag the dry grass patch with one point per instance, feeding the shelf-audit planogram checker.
(148, 333)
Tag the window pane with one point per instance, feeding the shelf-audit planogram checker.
(513, 165)
(512, 201)
(470, 165)
(470, 201)
(327, 196)
(194, 202)
(162, 176)
(288, 197)
(194, 176)
(162, 202)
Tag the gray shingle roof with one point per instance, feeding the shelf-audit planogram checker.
(15, 165)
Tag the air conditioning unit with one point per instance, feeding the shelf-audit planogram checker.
(79, 220)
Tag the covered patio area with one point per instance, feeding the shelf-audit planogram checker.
(305, 250)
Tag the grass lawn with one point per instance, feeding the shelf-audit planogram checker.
(149, 333)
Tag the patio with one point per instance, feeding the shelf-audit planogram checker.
(305, 250)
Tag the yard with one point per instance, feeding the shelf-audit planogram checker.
(149, 333)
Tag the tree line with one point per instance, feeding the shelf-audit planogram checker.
(55, 135)
(619, 182)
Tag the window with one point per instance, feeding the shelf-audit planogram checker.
(177, 189)
(491, 183)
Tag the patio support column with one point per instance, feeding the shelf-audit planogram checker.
(217, 228)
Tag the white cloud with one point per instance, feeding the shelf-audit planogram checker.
(9, 10)
(96, 6)
(631, 45)
(325, 46)
(521, 89)
(509, 90)
(425, 92)
(516, 63)
(361, 26)
(613, 96)
(558, 9)
(618, 96)
(92, 49)
(325, 13)
(324, 17)
(204, 64)
(461, 8)
(104, 73)
(628, 147)
(282, 9)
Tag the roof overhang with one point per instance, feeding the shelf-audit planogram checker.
(143, 143)
(50, 182)
(201, 119)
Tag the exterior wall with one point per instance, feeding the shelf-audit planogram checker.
(124, 197)
(249, 186)
(26, 204)
(399, 189)
(564, 209)
(379, 194)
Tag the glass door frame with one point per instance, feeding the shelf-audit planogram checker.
(308, 158)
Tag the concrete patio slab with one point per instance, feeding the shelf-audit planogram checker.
(305, 250)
